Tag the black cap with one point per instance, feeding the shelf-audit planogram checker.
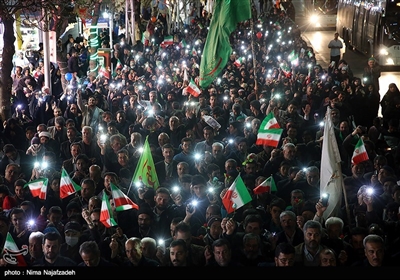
(111, 123)
(73, 226)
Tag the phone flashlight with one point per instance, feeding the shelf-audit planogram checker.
(161, 243)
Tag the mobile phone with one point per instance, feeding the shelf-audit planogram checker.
(324, 199)
(190, 207)
(161, 243)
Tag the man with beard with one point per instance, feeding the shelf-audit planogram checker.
(307, 253)
(221, 255)
(89, 146)
(164, 211)
(145, 223)
(51, 252)
(291, 114)
(134, 254)
(249, 254)
(179, 253)
(218, 155)
(91, 114)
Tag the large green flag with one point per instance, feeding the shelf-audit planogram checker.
(217, 49)
(145, 172)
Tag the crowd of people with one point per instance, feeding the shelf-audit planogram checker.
(95, 128)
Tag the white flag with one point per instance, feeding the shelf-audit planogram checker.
(331, 179)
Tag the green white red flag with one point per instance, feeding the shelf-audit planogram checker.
(106, 213)
(104, 72)
(12, 254)
(269, 132)
(236, 196)
(38, 187)
(286, 70)
(266, 186)
(360, 153)
(121, 201)
(168, 40)
(182, 44)
(269, 122)
(119, 65)
(238, 62)
(193, 89)
(67, 185)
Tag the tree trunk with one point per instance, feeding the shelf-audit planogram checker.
(7, 66)
(61, 55)
(94, 41)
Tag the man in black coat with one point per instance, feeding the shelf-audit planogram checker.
(167, 169)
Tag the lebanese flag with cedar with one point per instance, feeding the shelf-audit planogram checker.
(67, 185)
(360, 153)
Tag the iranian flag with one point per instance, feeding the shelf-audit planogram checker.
(104, 72)
(106, 213)
(11, 254)
(119, 65)
(121, 201)
(185, 75)
(182, 44)
(269, 137)
(269, 122)
(67, 185)
(277, 25)
(238, 62)
(267, 186)
(193, 89)
(286, 70)
(269, 132)
(360, 153)
(236, 196)
(294, 58)
(38, 187)
(168, 40)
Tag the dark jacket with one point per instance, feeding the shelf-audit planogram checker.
(60, 261)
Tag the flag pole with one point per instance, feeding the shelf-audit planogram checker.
(252, 53)
(345, 195)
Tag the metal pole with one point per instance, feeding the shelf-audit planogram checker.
(133, 35)
(111, 26)
(127, 27)
(46, 50)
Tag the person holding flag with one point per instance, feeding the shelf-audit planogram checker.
(269, 132)
(19, 230)
(236, 196)
(145, 172)
(109, 178)
(12, 255)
